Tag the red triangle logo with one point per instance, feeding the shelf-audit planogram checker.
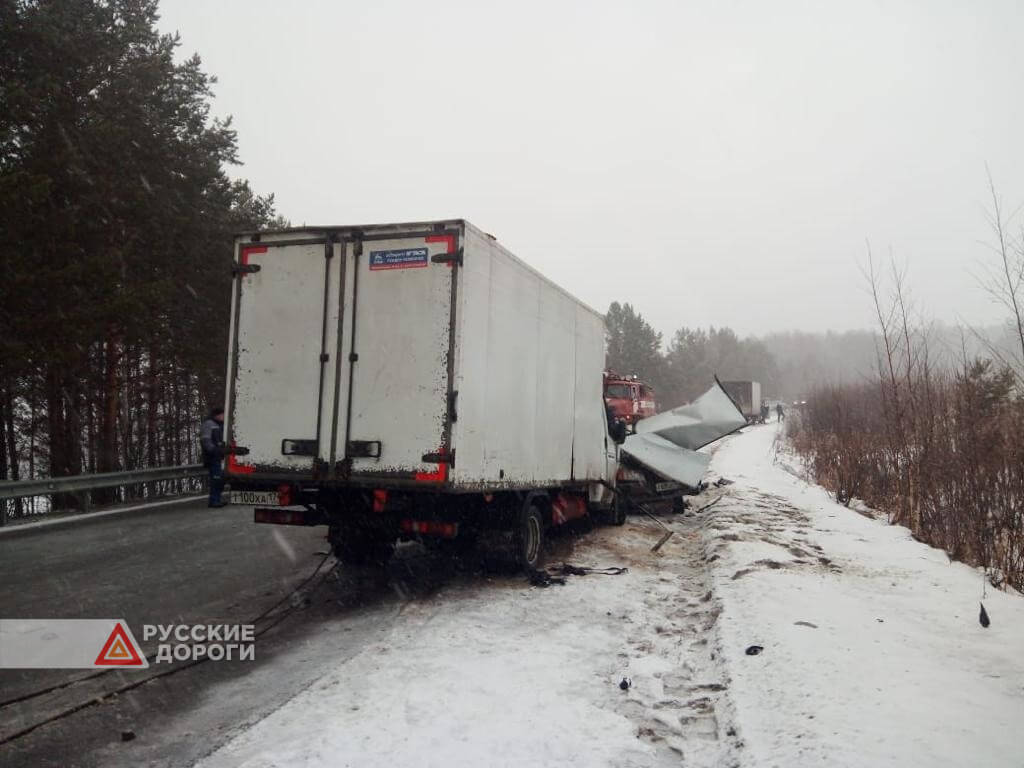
(119, 650)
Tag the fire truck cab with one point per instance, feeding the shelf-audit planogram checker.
(628, 398)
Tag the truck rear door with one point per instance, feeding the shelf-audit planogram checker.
(278, 341)
(342, 355)
(399, 349)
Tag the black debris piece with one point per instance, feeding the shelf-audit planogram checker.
(753, 650)
(573, 570)
(556, 575)
(625, 683)
(983, 616)
(541, 578)
(127, 735)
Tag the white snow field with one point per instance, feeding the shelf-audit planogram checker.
(896, 669)
(872, 652)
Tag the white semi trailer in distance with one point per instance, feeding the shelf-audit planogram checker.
(747, 396)
(412, 380)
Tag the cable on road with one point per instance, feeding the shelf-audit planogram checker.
(164, 673)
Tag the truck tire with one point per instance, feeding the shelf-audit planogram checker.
(528, 537)
(679, 505)
(618, 514)
(353, 546)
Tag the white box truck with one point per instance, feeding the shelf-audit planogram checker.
(412, 380)
(747, 397)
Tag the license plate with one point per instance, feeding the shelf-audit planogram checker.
(255, 498)
(664, 487)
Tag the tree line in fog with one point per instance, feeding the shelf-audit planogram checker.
(789, 364)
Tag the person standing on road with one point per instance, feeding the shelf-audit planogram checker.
(781, 414)
(211, 438)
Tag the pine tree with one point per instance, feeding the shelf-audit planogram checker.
(118, 214)
(634, 347)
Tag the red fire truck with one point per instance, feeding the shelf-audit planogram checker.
(628, 397)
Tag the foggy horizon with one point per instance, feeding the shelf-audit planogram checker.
(710, 166)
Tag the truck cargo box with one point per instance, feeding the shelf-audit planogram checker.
(747, 396)
(410, 355)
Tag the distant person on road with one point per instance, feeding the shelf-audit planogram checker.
(764, 412)
(211, 438)
(779, 412)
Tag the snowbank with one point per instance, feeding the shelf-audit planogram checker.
(873, 653)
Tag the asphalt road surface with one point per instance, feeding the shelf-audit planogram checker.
(174, 564)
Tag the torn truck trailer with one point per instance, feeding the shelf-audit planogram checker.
(667, 443)
(710, 417)
(667, 459)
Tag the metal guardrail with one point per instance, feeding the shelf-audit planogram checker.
(19, 489)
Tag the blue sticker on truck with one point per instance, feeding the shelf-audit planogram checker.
(405, 258)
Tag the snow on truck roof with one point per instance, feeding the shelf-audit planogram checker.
(413, 226)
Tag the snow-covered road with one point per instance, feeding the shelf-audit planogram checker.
(872, 653)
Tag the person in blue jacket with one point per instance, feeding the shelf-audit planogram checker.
(211, 439)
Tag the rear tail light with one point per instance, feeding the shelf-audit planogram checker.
(285, 495)
(431, 528)
(276, 516)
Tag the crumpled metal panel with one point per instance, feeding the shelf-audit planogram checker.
(667, 459)
(666, 443)
(710, 417)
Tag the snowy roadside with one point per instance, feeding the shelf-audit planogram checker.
(872, 650)
(498, 673)
(872, 654)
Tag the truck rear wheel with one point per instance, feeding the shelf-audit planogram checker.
(528, 537)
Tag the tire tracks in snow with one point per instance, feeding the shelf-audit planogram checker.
(679, 696)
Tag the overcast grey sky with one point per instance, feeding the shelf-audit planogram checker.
(711, 163)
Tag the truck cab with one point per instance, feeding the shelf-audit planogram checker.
(628, 398)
